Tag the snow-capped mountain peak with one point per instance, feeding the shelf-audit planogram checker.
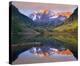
(52, 17)
(47, 17)
(34, 17)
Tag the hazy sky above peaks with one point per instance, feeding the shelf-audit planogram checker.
(29, 7)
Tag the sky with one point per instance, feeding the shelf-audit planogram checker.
(27, 8)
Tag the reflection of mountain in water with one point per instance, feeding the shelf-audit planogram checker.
(46, 51)
(50, 51)
(39, 54)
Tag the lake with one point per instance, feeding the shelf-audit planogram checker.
(43, 49)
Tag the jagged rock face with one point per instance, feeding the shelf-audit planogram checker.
(47, 18)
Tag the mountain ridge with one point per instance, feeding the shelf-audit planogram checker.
(47, 18)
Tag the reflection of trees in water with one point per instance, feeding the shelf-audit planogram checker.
(44, 40)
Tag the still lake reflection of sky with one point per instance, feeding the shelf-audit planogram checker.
(37, 54)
